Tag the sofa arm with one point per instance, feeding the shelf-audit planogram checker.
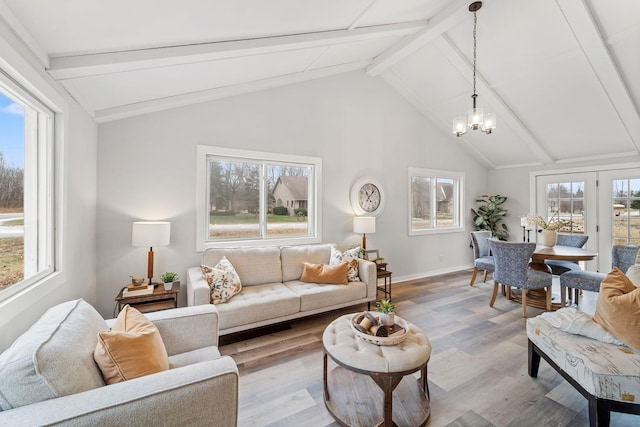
(198, 292)
(204, 393)
(368, 275)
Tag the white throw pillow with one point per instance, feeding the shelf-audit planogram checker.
(223, 280)
(349, 256)
(633, 273)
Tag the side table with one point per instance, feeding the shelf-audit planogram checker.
(384, 274)
(158, 300)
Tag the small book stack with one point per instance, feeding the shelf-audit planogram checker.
(132, 291)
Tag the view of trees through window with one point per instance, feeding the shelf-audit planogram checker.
(434, 200)
(11, 192)
(626, 211)
(257, 199)
(565, 201)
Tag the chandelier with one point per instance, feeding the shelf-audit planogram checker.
(475, 118)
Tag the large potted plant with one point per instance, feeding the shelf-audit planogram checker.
(490, 215)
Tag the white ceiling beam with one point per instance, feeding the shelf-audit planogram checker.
(139, 108)
(584, 28)
(503, 112)
(77, 66)
(362, 13)
(452, 14)
(26, 37)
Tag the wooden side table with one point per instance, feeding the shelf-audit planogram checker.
(158, 300)
(383, 273)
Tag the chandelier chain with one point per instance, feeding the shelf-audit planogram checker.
(475, 38)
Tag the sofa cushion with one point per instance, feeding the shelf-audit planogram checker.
(618, 308)
(293, 257)
(633, 273)
(223, 280)
(349, 256)
(314, 296)
(53, 358)
(255, 266)
(323, 273)
(258, 303)
(132, 348)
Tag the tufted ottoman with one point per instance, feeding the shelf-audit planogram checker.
(355, 400)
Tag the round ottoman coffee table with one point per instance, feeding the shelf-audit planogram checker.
(353, 400)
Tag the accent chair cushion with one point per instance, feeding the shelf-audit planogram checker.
(54, 358)
(132, 348)
(349, 256)
(322, 273)
(223, 281)
(618, 308)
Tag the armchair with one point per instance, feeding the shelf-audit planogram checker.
(200, 388)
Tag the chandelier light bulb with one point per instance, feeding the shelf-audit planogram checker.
(459, 126)
(475, 118)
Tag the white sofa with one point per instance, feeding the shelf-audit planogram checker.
(271, 288)
(49, 377)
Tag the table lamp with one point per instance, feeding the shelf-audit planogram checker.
(150, 233)
(364, 225)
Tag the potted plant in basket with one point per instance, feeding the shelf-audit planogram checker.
(387, 311)
(168, 278)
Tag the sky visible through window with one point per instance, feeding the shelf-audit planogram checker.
(11, 132)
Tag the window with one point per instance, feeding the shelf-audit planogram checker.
(435, 201)
(250, 197)
(26, 189)
(626, 211)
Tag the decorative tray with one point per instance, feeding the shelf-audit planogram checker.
(396, 337)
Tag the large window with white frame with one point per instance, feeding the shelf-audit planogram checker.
(252, 197)
(435, 201)
(27, 239)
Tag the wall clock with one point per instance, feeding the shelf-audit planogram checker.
(367, 197)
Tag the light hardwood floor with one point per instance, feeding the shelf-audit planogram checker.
(477, 372)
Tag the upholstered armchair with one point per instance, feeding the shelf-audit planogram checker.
(512, 270)
(49, 377)
(559, 267)
(482, 259)
(622, 256)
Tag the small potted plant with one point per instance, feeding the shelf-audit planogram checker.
(387, 311)
(168, 278)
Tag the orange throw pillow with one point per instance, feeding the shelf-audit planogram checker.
(323, 273)
(131, 349)
(618, 308)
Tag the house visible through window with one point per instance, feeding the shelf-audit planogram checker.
(26, 189)
(248, 196)
(435, 201)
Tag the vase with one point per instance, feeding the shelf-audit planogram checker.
(387, 319)
(549, 238)
(168, 286)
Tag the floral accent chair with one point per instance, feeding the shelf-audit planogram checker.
(622, 256)
(512, 270)
(559, 267)
(482, 259)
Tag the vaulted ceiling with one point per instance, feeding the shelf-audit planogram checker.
(561, 75)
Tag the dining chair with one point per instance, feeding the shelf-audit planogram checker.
(559, 267)
(622, 256)
(512, 270)
(482, 259)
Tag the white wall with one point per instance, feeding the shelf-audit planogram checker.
(357, 124)
(75, 197)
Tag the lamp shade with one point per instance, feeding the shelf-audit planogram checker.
(364, 224)
(151, 233)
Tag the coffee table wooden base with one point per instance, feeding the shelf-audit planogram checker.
(354, 399)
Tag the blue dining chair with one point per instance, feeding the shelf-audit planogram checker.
(559, 267)
(512, 270)
(482, 259)
(622, 256)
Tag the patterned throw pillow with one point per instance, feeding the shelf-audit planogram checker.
(223, 280)
(349, 256)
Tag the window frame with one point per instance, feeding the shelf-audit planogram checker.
(42, 249)
(204, 152)
(458, 211)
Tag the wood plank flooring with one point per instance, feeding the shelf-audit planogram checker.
(477, 372)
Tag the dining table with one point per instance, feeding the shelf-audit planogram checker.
(537, 297)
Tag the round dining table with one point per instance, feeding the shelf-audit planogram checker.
(537, 297)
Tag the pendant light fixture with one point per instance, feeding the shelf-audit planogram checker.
(475, 118)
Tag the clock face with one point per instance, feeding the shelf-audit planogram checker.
(369, 197)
